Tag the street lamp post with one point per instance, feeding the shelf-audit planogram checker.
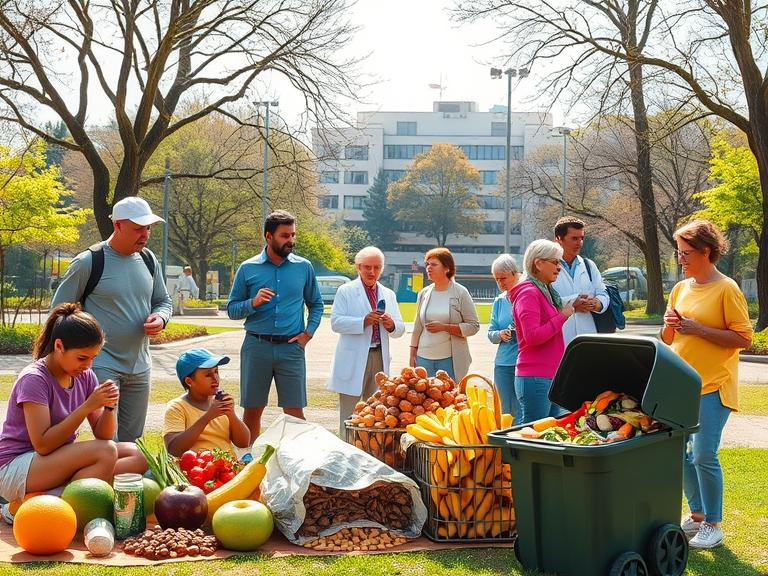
(166, 200)
(496, 74)
(564, 131)
(265, 189)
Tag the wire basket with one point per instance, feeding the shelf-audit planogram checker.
(467, 490)
(381, 443)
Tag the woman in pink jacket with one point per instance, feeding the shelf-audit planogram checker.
(539, 317)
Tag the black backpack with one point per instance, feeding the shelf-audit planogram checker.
(613, 318)
(97, 268)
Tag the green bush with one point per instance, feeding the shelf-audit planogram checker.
(759, 343)
(197, 303)
(19, 339)
(26, 302)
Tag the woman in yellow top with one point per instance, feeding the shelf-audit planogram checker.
(707, 323)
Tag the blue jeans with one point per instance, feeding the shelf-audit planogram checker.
(432, 366)
(702, 474)
(533, 394)
(504, 378)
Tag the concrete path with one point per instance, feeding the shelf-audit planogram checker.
(742, 430)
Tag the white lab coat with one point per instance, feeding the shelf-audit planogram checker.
(569, 288)
(350, 305)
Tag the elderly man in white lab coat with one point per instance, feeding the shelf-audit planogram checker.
(575, 284)
(366, 315)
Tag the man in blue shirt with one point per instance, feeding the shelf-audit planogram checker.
(270, 291)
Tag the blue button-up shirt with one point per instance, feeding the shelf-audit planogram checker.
(570, 268)
(294, 285)
(501, 319)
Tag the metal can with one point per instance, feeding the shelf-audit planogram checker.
(129, 505)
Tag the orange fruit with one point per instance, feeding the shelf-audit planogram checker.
(44, 525)
(14, 506)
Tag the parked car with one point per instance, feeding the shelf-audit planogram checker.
(621, 275)
(329, 285)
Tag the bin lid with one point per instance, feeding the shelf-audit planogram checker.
(668, 388)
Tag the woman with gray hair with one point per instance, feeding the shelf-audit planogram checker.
(539, 316)
(501, 331)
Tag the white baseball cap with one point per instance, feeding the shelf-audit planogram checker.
(136, 210)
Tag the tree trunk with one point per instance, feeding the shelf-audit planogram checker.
(655, 303)
(759, 145)
(101, 207)
(202, 268)
(2, 286)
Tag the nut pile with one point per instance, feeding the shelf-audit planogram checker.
(400, 399)
(363, 539)
(385, 503)
(159, 544)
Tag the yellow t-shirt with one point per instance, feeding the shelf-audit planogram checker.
(718, 304)
(180, 415)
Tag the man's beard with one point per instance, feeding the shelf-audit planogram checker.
(283, 250)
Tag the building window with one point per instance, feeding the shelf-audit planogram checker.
(329, 177)
(482, 152)
(498, 128)
(356, 153)
(354, 202)
(328, 202)
(493, 227)
(355, 177)
(489, 177)
(406, 128)
(450, 107)
(394, 175)
(404, 151)
(491, 202)
(517, 152)
(327, 151)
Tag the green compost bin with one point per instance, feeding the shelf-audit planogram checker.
(614, 508)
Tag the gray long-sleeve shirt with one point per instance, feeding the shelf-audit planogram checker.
(125, 295)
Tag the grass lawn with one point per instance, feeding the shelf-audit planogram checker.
(745, 552)
(753, 399)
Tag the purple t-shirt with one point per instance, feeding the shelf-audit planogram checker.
(37, 385)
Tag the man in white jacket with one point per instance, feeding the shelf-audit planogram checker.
(366, 315)
(575, 284)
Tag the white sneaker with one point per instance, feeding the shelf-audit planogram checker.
(6, 515)
(708, 537)
(690, 527)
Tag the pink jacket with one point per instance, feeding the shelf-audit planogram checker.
(539, 328)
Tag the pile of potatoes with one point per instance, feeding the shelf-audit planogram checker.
(400, 399)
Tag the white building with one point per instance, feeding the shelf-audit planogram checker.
(352, 157)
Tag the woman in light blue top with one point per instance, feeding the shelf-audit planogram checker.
(501, 331)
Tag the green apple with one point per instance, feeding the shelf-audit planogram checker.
(151, 490)
(242, 525)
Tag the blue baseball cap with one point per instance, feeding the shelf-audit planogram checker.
(195, 358)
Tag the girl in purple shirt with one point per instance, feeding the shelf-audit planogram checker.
(49, 401)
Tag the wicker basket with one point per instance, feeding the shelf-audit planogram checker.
(472, 501)
(381, 443)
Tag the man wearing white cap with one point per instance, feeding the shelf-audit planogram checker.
(119, 282)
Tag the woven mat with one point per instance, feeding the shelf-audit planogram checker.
(277, 546)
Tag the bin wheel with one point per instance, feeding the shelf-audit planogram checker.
(629, 564)
(668, 551)
(516, 549)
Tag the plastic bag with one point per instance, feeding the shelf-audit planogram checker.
(307, 452)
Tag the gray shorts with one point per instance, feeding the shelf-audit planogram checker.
(13, 477)
(260, 362)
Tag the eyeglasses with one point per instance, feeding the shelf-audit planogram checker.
(553, 261)
(683, 253)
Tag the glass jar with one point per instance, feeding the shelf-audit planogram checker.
(129, 505)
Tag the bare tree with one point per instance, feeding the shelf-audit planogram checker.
(714, 51)
(147, 58)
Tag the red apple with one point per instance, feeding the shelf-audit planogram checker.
(242, 525)
(181, 506)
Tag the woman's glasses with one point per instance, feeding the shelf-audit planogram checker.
(683, 253)
(552, 261)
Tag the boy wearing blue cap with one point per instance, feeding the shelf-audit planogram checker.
(204, 417)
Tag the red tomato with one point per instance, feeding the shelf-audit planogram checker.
(205, 456)
(220, 464)
(226, 476)
(196, 480)
(195, 471)
(188, 460)
(209, 471)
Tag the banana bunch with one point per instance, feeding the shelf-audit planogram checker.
(470, 488)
